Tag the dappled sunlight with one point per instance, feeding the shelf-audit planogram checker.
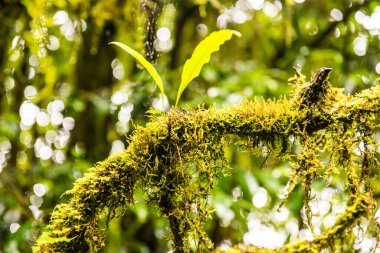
(69, 99)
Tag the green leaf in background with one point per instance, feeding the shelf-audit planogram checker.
(201, 56)
(147, 65)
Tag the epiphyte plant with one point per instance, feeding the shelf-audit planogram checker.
(162, 157)
(193, 66)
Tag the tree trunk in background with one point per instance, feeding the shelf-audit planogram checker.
(94, 72)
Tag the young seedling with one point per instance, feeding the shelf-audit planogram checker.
(193, 66)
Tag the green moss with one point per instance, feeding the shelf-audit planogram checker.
(177, 158)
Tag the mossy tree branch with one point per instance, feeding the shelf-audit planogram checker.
(347, 220)
(177, 158)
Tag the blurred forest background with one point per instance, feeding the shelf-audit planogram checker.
(68, 100)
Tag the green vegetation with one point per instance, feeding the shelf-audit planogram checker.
(149, 67)
(228, 158)
(177, 159)
(193, 66)
(201, 56)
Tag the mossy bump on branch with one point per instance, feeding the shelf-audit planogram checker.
(177, 158)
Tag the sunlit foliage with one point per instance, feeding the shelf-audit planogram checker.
(68, 98)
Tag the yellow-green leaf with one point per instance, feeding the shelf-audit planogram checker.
(153, 112)
(201, 56)
(149, 67)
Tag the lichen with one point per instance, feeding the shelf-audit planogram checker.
(177, 158)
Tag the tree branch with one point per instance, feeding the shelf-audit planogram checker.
(159, 155)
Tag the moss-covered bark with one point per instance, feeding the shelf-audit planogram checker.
(177, 158)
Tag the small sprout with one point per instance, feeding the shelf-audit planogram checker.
(193, 66)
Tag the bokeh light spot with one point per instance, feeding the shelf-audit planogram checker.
(39, 190)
